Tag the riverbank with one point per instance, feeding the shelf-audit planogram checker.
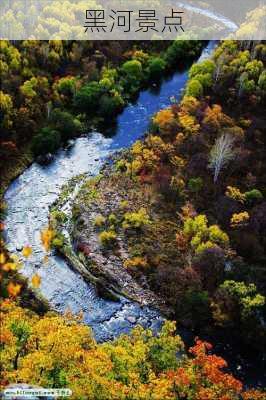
(76, 237)
(14, 169)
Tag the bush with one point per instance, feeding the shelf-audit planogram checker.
(203, 73)
(205, 67)
(240, 305)
(203, 237)
(253, 195)
(58, 241)
(235, 194)
(47, 141)
(136, 220)
(217, 236)
(124, 204)
(240, 219)
(133, 76)
(87, 98)
(195, 184)
(110, 106)
(133, 70)
(59, 216)
(99, 221)
(112, 219)
(121, 165)
(136, 263)
(66, 124)
(156, 67)
(107, 238)
(196, 307)
(194, 88)
(66, 85)
(181, 50)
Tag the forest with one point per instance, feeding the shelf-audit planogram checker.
(174, 221)
(50, 90)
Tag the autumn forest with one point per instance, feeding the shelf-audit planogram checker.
(133, 218)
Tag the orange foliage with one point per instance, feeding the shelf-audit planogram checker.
(13, 289)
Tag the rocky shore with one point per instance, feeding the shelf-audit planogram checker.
(87, 207)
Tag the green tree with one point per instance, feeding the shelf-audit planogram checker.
(133, 70)
(194, 88)
(238, 306)
(203, 72)
(46, 141)
(195, 184)
(87, 98)
(156, 67)
(65, 123)
(110, 105)
(262, 82)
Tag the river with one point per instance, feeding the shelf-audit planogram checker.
(30, 195)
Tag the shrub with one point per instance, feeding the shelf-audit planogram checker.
(58, 241)
(196, 307)
(164, 118)
(59, 216)
(203, 237)
(240, 219)
(217, 236)
(195, 184)
(205, 67)
(121, 165)
(262, 82)
(136, 262)
(107, 238)
(66, 85)
(156, 67)
(195, 225)
(253, 195)
(46, 141)
(136, 220)
(210, 265)
(203, 72)
(112, 219)
(235, 194)
(133, 69)
(237, 302)
(99, 221)
(204, 246)
(123, 204)
(194, 88)
(87, 98)
(181, 50)
(65, 123)
(110, 106)
(190, 105)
